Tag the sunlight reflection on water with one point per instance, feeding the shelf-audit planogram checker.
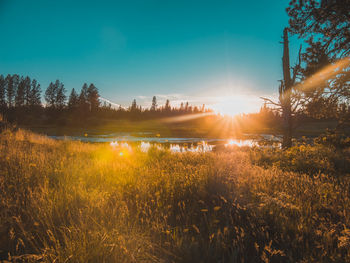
(175, 145)
(201, 147)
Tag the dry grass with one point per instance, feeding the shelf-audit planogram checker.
(64, 201)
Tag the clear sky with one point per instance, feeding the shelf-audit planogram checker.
(200, 51)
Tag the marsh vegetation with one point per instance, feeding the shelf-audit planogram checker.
(65, 201)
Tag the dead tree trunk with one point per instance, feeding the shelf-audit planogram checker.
(288, 102)
(285, 94)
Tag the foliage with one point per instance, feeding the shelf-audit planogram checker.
(329, 154)
(325, 26)
(73, 100)
(68, 201)
(325, 23)
(2, 92)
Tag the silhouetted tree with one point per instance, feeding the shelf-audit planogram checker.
(154, 104)
(325, 23)
(325, 26)
(83, 100)
(34, 98)
(50, 95)
(27, 90)
(11, 82)
(289, 95)
(133, 105)
(167, 107)
(186, 107)
(93, 98)
(60, 95)
(20, 93)
(73, 101)
(2, 92)
(55, 95)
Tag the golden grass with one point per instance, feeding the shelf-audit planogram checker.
(63, 201)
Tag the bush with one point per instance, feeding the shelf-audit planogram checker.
(303, 157)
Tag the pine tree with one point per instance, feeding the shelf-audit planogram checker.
(10, 90)
(20, 93)
(35, 94)
(154, 104)
(73, 101)
(324, 22)
(93, 98)
(167, 106)
(83, 94)
(181, 106)
(60, 95)
(27, 90)
(133, 105)
(83, 101)
(186, 107)
(50, 95)
(2, 92)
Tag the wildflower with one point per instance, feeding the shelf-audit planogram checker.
(217, 208)
(196, 228)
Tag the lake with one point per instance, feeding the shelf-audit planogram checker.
(145, 140)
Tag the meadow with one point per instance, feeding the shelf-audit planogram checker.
(64, 201)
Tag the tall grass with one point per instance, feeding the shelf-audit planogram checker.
(63, 201)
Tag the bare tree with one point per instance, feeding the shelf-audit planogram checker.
(290, 98)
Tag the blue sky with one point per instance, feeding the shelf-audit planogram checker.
(201, 51)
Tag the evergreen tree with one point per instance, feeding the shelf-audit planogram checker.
(181, 106)
(133, 105)
(35, 94)
(73, 101)
(83, 94)
(60, 95)
(167, 106)
(325, 22)
(83, 100)
(93, 97)
(50, 95)
(27, 90)
(186, 107)
(10, 90)
(2, 92)
(325, 27)
(154, 104)
(20, 93)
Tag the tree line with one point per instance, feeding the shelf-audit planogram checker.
(20, 101)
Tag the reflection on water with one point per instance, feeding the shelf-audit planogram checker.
(240, 143)
(145, 146)
(126, 142)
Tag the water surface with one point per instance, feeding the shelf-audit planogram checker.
(144, 141)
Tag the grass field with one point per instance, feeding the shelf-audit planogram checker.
(63, 201)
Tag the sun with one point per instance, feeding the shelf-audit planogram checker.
(237, 104)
